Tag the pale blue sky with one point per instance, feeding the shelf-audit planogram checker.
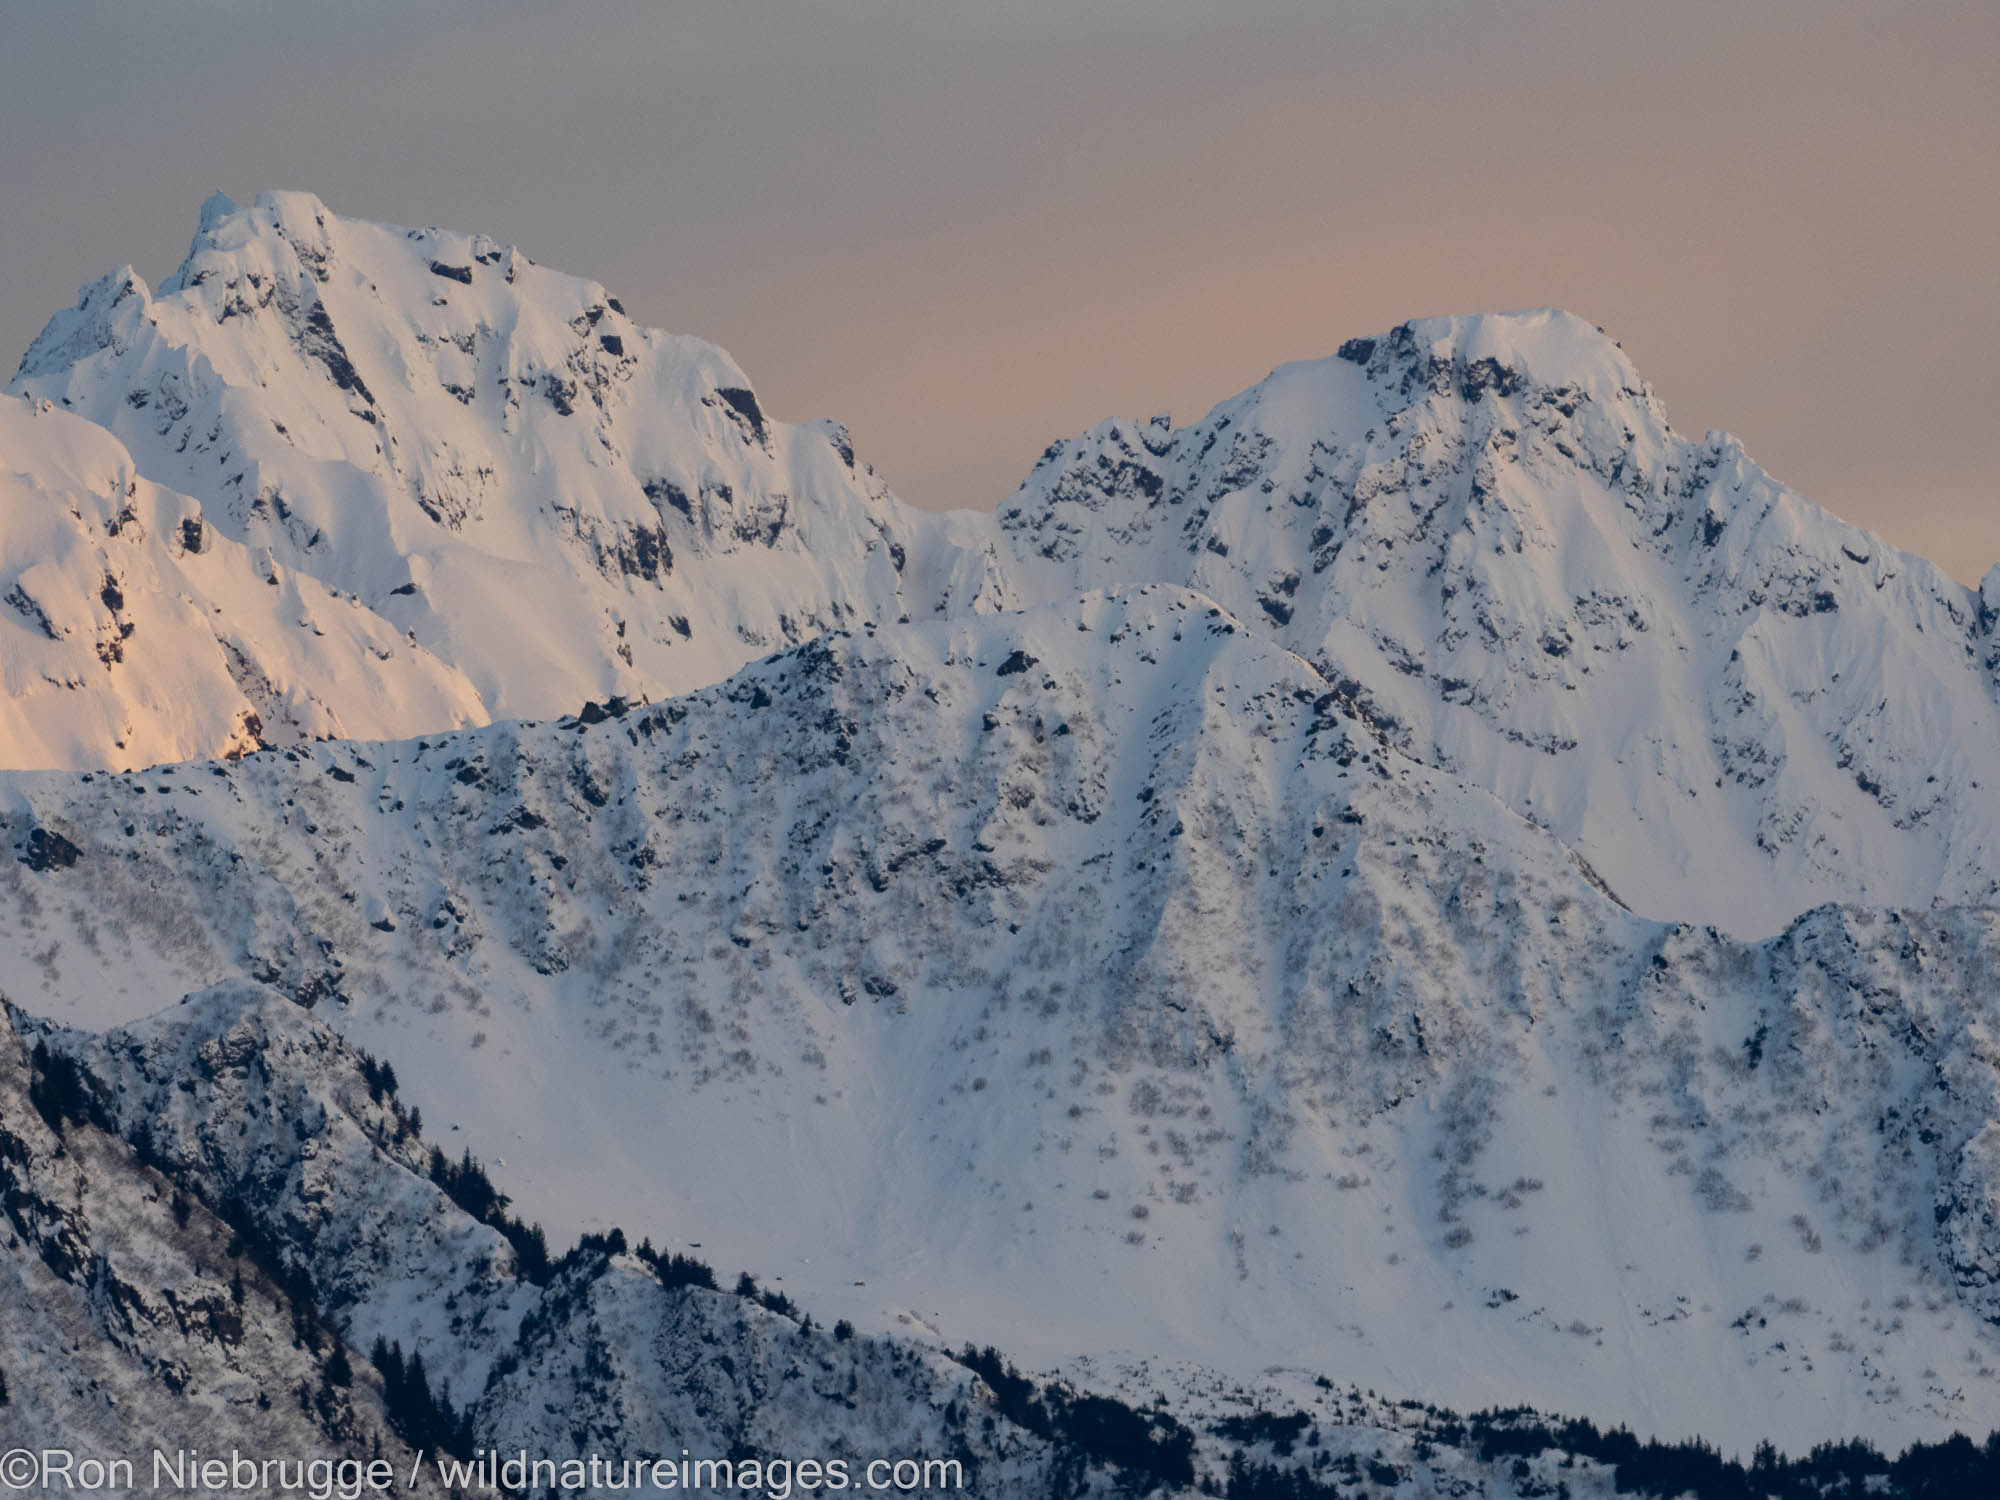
(966, 229)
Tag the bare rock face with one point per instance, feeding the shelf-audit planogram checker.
(1968, 1214)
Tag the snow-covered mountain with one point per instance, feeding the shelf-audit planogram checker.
(1424, 879)
(389, 481)
(362, 481)
(1734, 705)
(130, 1315)
(135, 632)
(1092, 981)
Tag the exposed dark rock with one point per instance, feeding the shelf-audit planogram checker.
(319, 341)
(46, 850)
(28, 605)
(744, 404)
(665, 491)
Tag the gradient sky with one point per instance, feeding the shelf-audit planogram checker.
(968, 228)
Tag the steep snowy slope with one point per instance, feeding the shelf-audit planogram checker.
(223, 1204)
(1734, 705)
(1091, 981)
(133, 630)
(226, 1208)
(540, 498)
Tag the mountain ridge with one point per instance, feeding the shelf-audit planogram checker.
(1483, 527)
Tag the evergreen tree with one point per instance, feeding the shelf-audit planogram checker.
(419, 1410)
(683, 1270)
(388, 1358)
(57, 1088)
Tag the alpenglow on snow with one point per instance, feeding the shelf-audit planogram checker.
(1423, 875)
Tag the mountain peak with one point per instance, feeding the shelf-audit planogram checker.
(226, 225)
(102, 307)
(1543, 347)
(1486, 526)
(494, 470)
(216, 207)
